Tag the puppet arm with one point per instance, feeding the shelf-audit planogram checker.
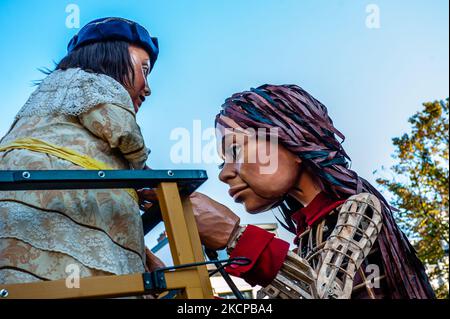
(116, 124)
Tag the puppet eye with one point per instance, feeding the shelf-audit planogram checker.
(145, 68)
(234, 151)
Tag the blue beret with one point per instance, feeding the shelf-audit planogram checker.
(109, 29)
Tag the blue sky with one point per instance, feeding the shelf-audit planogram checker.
(371, 80)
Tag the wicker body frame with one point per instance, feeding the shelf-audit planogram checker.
(328, 269)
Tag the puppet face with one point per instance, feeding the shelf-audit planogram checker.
(257, 181)
(141, 66)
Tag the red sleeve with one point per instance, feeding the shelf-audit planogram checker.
(266, 253)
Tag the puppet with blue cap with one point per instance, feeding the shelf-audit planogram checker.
(81, 116)
(115, 29)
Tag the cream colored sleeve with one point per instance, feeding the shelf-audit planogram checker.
(117, 125)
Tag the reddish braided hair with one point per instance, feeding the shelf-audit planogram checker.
(304, 128)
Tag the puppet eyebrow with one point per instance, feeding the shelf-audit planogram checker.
(223, 143)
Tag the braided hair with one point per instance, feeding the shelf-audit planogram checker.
(304, 128)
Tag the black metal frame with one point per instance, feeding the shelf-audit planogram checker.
(187, 180)
(155, 282)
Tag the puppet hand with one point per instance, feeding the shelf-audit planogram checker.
(146, 198)
(216, 223)
(151, 261)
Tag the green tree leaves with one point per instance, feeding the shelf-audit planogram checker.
(420, 188)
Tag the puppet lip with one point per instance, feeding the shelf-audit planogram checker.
(235, 190)
(137, 105)
(238, 198)
(140, 100)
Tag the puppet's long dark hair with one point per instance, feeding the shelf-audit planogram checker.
(304, 128)
(111, 58)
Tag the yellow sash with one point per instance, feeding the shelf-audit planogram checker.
(67, 154)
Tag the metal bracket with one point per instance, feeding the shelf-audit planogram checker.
(154, 281)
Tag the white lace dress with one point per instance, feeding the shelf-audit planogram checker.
(98, 231)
